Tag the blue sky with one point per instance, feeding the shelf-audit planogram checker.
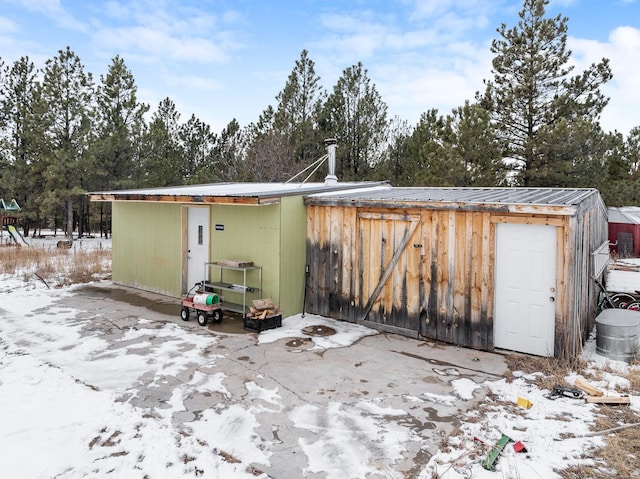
(222, 59)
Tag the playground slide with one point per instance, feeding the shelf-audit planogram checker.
(16, 235)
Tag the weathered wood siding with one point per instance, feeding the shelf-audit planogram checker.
(587, 231)
(415, 271)
(429, 272)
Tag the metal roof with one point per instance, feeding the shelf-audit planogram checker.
(242, 193)
(624, 214)
(492, 198)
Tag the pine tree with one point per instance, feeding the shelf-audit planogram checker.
(532, 93)
(162, 154)
(228, 153)
(426, 164)
(296, 116)
(17, 121)
(69, 93)
(471, 147)
(119, 123)
(356, 116)
(285, 139)
(198, 143)
(393, 168)
(619, 179)
(120, 117)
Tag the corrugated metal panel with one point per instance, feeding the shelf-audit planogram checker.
(293, 254)
(624, 214)
(147, 246)
(234, 190)
(524, 196)
(249, 234)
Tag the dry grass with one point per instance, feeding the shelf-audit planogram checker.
(620, 456)
(56, 267)
(553, 370)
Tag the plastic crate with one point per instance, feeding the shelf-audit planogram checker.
(257, 325)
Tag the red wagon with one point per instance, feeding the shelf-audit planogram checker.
(204, 311)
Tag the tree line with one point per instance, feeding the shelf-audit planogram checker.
(536, 124)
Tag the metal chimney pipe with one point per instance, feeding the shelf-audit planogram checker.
(331, 179)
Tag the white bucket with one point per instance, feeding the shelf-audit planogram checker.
(200, 298)
(206, 298)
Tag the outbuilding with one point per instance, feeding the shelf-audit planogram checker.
(165, 240)
(484, 268)
(624, 231)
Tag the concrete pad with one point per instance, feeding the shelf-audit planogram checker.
(297, 393)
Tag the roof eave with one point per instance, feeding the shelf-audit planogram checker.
(185, 199)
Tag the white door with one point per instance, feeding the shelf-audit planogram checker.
(197, 244)
(525, 285)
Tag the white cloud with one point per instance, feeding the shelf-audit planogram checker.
(157, 32)
(55, 11)
(622, 51)
(431, 65)
(411, 90)
(143, 41)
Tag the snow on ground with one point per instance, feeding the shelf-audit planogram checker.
(291, 327)
(552, 431)
(69, 398)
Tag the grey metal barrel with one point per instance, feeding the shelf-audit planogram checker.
(618, 334)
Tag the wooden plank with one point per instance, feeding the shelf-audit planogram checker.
(349, 261)
(409, 280)
(461, 279)
(475, 295)
(564, 340)
(334, 278)
(428, 326)
(488, 276)
(441, 258)
(395, 307)
(413, 278)
(446, 256)
(375, 257)
(261, 304)
(608, 399)
(588, 388)
(528, 220)
(323, 264)
(389, 269)
(384, 301)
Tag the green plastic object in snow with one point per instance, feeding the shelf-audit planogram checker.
(490, 462)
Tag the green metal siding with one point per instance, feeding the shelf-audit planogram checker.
(148, 252)
(293, 254)
(273, 237)
(251, 233)
(147, 246)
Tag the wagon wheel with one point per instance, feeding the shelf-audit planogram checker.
(216, 315)
(635, 306)
(202, 318)
(184, 313)
(622, 300)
